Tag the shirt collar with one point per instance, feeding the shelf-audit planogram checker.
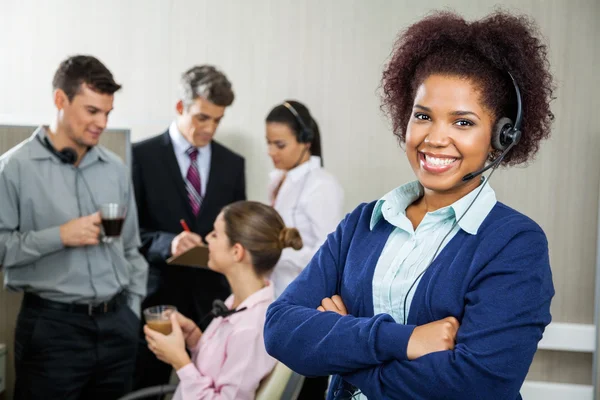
(392, 206)
(301, 170)
(482, 205)
(39, 151)
(266, 294)
(180, 143)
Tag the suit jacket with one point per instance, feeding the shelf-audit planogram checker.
(162, 201)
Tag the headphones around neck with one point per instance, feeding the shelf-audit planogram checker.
(507, 133)
(67, 155)
(220, 309)
(306, 134)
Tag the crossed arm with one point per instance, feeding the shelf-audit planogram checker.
(435, 336)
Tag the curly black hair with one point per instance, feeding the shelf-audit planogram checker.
(484, 51)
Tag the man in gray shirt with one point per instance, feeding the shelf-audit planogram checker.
(77, 331)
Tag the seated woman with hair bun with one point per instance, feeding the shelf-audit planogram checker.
(229, 359)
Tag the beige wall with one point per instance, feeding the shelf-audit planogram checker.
(328, 54)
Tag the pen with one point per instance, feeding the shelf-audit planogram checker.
(184, 225)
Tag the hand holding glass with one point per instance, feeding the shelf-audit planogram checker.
(158, 318)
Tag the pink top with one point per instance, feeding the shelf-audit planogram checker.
(230, 358)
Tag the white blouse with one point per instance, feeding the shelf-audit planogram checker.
(310, 200)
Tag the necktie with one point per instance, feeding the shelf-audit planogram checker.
(193, 182)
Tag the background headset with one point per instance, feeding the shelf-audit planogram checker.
(306, 134)
(68, 155)
(219, 309)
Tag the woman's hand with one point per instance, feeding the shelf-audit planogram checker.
(434, 336)
(168, 348)
(334, 304)
(190, 330)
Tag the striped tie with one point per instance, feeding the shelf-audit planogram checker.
(193, 182)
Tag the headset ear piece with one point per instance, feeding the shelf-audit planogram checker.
(501, 132)
(516, 136)
(67, 155)
(218, 307)
(306, 133)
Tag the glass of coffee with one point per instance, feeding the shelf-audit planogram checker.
(158, 318)
(113, 217)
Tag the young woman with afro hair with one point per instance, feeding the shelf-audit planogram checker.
(436, 290)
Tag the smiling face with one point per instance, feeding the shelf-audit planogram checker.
(448, 135)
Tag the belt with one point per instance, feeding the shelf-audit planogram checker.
(34, 301)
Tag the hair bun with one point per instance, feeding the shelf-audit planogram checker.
(290, 237)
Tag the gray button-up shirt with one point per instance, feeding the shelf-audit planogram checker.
(38, 193)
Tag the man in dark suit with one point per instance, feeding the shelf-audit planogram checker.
(184, 174)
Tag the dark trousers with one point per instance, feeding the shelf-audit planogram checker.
(314, 388)
(192, 291)
(66, 355)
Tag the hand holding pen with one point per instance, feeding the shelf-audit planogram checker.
(185, 240)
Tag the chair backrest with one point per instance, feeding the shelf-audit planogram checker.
(274, 385)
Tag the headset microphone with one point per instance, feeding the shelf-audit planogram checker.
(493, 164)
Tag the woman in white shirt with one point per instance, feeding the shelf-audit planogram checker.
(306, 196)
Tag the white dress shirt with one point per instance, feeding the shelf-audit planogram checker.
(180, 145)
(310, 200)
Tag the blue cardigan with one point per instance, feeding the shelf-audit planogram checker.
(497, 283)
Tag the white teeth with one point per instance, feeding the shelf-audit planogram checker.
(439, 161)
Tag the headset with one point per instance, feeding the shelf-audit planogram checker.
(306, 134)
(219, 309)
(505, 135)
(68, 155)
